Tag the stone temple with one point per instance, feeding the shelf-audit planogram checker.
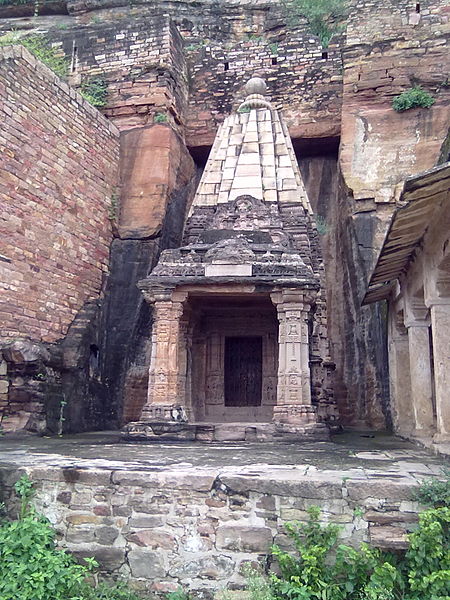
(239, 311)
(215, 227)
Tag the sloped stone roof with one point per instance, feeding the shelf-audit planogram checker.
(422, 195)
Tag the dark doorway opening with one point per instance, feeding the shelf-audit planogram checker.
(243, 371)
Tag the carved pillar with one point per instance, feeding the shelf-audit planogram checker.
(440, 324)
(421, 377)
(294, 380)
(167, 373)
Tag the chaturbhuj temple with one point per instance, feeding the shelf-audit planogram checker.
(239, 330)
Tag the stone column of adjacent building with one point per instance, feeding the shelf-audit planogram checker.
(399, 374)
(440, 324)
(167, 375)
(421, 377)
(294, 380)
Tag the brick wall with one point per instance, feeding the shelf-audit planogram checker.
(141, 59)
(58, 171)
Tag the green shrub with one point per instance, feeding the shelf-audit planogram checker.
(434, 492)
(95, 91)
(320, 14)
(415, 97)
(160, 118)
(33, 568)
(40, 47)
(14, 2)
(104, 591)
(322, 569)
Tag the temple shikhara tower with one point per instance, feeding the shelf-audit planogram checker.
(239, 315)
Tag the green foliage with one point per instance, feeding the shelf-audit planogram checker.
(321, 225)
(160, 118)
(274, 48)
(427, 560)
(25, 491)
(258, 586)
(434, 492)
(322, 569)
(31, 567)
(113, 207)
(95, 91)
(104, 591)
(40, 47)
(320, 14)
(180, 594)
(14, 2)
(416, 97)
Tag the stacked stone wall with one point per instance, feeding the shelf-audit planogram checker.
(369, 22)
(140, 59)
(59, 166)
(304, 80)
(198, 527)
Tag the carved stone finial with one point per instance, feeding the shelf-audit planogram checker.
(255, 88)
(255, 85)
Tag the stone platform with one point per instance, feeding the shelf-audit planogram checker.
(157, 431)
(192, 514)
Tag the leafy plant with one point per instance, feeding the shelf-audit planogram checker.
(321, 225)
(427, 560)
(179, 594)
(160, 118)
(434, 492)
(113, 207)
(416, 97)
(95, 91)
(273, 48)
(40, 47)
(320, 14)
(14, 2)
(322, 569)
(105, 591)
(31, 567)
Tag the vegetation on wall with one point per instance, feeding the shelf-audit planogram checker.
(33, 568)
(95, 91)
(14, 2)
(41, 48)
(160, 118)
(319, 567)
(322, 16)
(416, 97)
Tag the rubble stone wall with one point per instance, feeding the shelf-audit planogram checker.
(58, 173)
(199, 527)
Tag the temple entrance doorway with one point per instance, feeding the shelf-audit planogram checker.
(234, 358)
(243, 371)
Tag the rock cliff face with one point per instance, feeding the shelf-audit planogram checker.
(174, 71)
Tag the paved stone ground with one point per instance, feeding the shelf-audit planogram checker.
(347, 451)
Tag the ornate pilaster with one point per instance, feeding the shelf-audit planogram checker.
(294, 379)
(167, 372)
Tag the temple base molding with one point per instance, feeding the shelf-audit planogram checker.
(155, 431)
